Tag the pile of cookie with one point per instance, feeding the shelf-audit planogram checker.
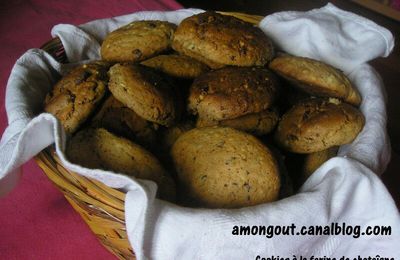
(207, 110)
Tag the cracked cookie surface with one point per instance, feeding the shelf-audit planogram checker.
(220, 167)
(145, 92)
(74, 98)
(316, 78)
(137, 41)
(317, 124)
(220, 40)
(231, 92)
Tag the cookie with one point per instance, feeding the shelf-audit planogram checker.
(99, 149)
(220, 167)
(137, 41)
(74, 98)
(219, 40)
(145, 92)
(316, 78)
(232, 92)
(313, 161)
(257, 123)
(317, 124)
(123, 121)
(178, 66)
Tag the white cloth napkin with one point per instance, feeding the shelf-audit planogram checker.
(345, 189)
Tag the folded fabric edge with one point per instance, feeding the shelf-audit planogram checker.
(17, 86)
(385, 33)
(320, 188)
(289, 16)
(373, 97)
(21, 151)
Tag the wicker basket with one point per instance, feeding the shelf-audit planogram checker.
(101, 207)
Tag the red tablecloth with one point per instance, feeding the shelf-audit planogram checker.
(36, 222)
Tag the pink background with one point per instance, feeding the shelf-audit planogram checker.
(396, 4)
(36, 222)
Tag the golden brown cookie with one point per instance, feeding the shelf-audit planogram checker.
(137, 41)
(231, 92)
(220, 167)
(74, 98)
(313, 161)
(99, 149)
(316, 78)
(317, 124)
(257, 123)
(178, 66)
(219, 40)
(145, 92)
(123, 121)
